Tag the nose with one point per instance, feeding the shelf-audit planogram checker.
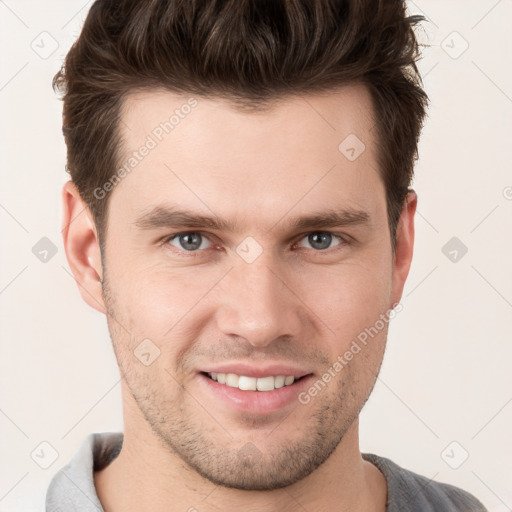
(258, 303)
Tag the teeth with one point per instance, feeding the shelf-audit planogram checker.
(232, 380)
(279, 381)
(265, 384)
(247, 383)
(252, 383)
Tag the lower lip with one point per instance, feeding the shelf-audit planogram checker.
(256, 402)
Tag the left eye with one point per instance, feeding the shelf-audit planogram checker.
(321, 240)
(189, 241)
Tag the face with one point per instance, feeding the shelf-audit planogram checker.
(248, 245)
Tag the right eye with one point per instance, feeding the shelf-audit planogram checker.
(190, 241)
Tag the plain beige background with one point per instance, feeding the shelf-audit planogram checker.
(444, 392)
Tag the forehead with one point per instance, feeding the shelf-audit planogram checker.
(330, 115)
(202, 153)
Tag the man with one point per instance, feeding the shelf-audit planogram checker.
(240, 211)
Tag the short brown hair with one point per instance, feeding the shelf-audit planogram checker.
(249, 52)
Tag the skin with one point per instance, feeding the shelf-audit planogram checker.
(295, 304)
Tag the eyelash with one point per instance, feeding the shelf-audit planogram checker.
(344, 241)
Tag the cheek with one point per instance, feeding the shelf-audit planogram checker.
(154, 305)
(350, 297)
(160, 301)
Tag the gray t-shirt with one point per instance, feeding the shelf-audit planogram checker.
(72, 488)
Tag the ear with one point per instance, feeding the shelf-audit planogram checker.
(82, 246)
(404, 245)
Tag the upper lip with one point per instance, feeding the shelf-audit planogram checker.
(251, 370)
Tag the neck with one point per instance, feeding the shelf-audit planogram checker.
(147, 475)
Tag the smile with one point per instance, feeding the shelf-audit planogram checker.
(252, 383)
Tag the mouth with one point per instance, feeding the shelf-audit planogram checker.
(256, 391)
(246, 383)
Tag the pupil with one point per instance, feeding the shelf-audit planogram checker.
(320, 240)
(190, 241)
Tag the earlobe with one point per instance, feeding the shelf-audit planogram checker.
(404, 245)
(82, 247)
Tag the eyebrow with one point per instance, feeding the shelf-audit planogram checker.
(161, 217)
